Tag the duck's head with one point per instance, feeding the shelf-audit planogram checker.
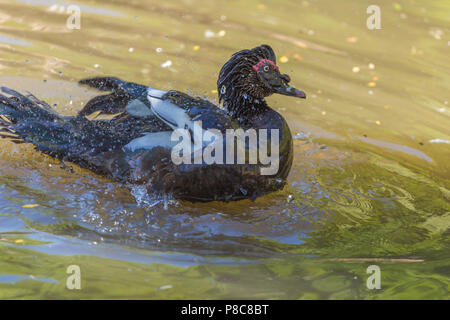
(250, 76)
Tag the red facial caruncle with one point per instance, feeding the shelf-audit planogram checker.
(263, 62)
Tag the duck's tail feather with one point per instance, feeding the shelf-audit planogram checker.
(18, 107)
(28, 119)
(7, 132)
(122, 93)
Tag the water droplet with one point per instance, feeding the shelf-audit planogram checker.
(166, 287)
(166, 64)
(209, 34)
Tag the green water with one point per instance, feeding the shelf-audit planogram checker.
(370, 184)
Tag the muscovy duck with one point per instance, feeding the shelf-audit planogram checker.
(137, 144)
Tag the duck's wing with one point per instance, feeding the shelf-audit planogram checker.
(149, 116)
(172, 107)
(178, 111)
(122, 94)
(181, 111)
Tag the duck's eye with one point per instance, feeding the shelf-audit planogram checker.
(266, 68)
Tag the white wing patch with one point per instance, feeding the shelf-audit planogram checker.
(171, 114)
(151, 140)
(155, 93)
(177, 118)
(138, 109)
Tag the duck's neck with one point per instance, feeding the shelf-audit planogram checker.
(244, 107)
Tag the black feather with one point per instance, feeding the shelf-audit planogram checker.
(122, 92)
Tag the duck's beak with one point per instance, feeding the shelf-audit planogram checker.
(281, 86)
(290, 91)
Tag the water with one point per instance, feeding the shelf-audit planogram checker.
(369, 185)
